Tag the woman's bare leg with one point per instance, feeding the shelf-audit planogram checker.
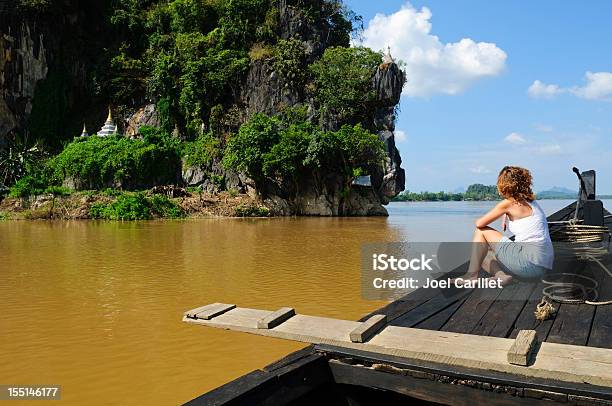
(492, 266)
(483, 238)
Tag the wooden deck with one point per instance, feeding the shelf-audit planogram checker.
(503, 312)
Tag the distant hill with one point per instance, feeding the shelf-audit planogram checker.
(557, 192)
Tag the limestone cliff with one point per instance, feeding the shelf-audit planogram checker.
(46, 87)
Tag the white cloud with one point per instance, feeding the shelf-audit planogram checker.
(515, 138)
(400, 136)
(540, 90)
(431, 66)
(598, 86)
(480, 169)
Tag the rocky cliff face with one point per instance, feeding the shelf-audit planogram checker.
(52, 56)
(45, 61)
(265, 91)
(23, 62)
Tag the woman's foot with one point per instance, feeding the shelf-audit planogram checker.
(503, 277)
(466, 277)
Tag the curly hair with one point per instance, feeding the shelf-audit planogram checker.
(514, 182)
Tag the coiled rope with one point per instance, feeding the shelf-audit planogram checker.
(584, 243)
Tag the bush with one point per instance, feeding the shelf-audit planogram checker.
(126, 207)
(251, 210)
(202, 151)
(136, 206)
(245, 150)
(99, 162)
(162, 206)
(269, 147)
(286, 158)
(343, 81)
(35, 182)
(260, 51)
(290, 62)
(58, 191)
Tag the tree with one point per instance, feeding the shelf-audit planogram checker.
(343, 82)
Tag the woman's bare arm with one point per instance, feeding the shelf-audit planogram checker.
(496, 212)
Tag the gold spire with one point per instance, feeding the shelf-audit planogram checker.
(110, 115)
(84, 133)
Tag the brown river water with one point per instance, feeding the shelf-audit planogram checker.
(96, 307)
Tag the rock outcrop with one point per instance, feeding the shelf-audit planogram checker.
(264, 91)
(60, 50)
(23, 62)
(144, 116)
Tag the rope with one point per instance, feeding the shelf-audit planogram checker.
(582, 237)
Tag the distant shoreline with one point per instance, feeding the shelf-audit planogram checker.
(603, 197)
(479, 193)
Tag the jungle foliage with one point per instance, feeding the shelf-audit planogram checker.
(276, 148)
(99, 162)
(190, 57)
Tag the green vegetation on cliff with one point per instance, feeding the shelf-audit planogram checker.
(192, 55)
(99, 162)
(205, 69)
(343, 81)
(276, 148)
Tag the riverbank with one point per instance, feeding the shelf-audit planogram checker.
(146, 205)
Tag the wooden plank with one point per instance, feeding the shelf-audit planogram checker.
(399, 307)
(450, 373)
(210, 311)
(275, 318)
(573, 322)
(466, 318)
(436, 321)
(414, 299)
(601, 329)
(368, 328)
(191, 313)
(430, 307)
(238, 389)
(555, 361)
(522, 348)
(424, 389)
(279, 387)
(499, 319)
(527, 320)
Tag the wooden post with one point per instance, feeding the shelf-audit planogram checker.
(522, 348)
(368, 328)
(209, 311)
(275, 318)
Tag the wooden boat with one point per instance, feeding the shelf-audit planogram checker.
(464, 348)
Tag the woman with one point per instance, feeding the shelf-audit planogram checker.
(531, 254)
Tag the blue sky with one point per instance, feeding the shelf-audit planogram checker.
(491, 84)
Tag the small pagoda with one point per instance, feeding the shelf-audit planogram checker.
(109, 127)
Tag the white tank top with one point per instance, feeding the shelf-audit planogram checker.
(533, 229)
